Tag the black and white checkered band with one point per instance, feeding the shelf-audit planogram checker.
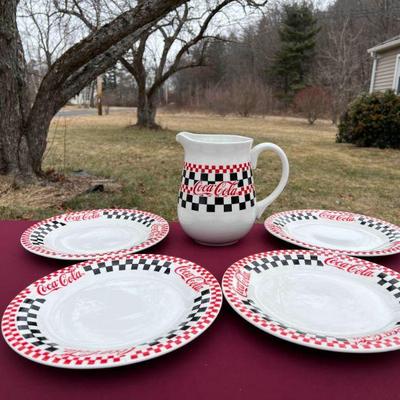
(274, 261)
(143, 264)
(251, 305)
(27, 313)
(28, 327)
(244, 199)
(212, 204)
(243, 177)
(282, 220)
(38, 235)
(392, 234)
(143, 219)
(200, 304)
(264, 263)
(391, 284)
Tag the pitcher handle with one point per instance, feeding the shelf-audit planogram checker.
(255, 152)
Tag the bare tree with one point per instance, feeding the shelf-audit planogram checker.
(338, 63)
(24, 125)
(179, 32)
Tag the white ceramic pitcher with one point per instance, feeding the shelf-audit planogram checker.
(217, 201)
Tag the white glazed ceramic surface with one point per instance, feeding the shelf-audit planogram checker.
(112, 312)
(353, 234)
(318, 299)
(89, 234)
(217, 202)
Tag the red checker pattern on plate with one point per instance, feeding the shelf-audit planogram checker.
(280, 233)
(384, 340)
(156, 235)
(74, 358)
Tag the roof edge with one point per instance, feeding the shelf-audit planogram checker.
(384, 46)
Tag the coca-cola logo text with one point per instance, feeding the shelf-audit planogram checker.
(337, 216)
(155, 231)
(378, 337)
(196, 282)
(82, 216)
(358, 269)
(241, 282)
(67, 353)
(60, 281)
(220, 189)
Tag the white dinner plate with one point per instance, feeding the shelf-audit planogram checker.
(111, 312)
(319, 299)
(83, 235)
(346, 232)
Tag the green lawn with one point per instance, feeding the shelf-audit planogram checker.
(147, 166)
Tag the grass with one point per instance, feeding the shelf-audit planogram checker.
(147, 166)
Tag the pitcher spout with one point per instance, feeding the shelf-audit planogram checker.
(214, 148)
(183, 138)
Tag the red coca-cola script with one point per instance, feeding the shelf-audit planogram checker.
(220, 189)
(155, 231)
(67, 353)
(337, 216)
(196, 282)
(64, 279)
(380, 336)
(82, 216)
(354, 268)
(241, 282)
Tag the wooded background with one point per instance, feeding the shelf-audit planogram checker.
(236, 53)
(223, 56)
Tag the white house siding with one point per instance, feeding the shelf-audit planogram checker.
(385, 69)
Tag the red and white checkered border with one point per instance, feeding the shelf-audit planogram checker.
(281, 234)
(387, 341)
(218, 169)
(43, 251)
(65, 358)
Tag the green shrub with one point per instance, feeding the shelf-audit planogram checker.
(372, 120)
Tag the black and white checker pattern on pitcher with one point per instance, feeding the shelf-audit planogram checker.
(142, 264)
(380, 226)
(243, 177)
(279, 260)
(28, 326)
(213, 204)
(38, 235)
(143, 219)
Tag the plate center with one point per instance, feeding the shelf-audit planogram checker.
(328, 302)
(99, 236)
(116, 312)
(337, 235)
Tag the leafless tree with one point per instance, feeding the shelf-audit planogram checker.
(179, 32)
(24, 125)
(338, 64)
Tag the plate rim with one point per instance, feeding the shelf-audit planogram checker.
(250, 316)
(280, 234)
(58, 255)
(8, 320)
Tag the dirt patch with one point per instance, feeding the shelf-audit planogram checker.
(51, 194)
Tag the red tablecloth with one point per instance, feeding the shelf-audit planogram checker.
(231, 360)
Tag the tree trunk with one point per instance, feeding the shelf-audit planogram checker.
(18, 155)
(146, 113)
